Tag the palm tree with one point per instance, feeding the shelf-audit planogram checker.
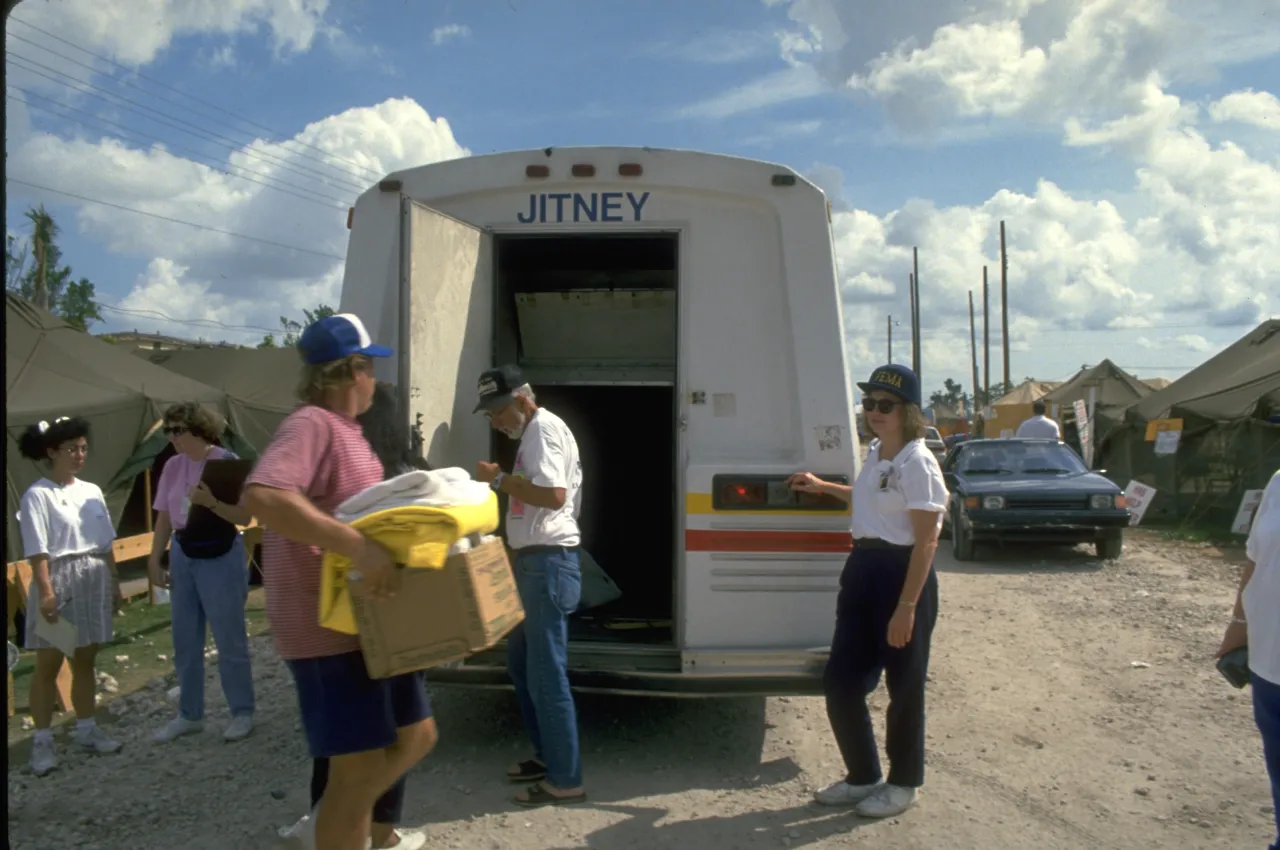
(43, 231)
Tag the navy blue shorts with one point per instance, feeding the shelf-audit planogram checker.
(344, 711)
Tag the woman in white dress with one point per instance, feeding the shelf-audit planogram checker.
(66, 537)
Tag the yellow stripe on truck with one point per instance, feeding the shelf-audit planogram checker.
(700, 504)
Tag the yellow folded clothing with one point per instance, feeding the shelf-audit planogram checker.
(418, 536)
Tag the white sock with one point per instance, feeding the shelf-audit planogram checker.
(44, 736)
(85, 727)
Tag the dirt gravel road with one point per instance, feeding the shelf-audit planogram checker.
(1072, 705)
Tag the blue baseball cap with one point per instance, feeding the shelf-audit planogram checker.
(897, 379)
(336, 337)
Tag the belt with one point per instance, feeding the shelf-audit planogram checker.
(545, 550)
(878, 543)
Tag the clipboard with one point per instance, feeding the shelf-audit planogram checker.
(225, 478)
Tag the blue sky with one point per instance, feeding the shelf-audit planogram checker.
(1132, 148)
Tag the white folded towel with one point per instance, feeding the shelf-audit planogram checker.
(437, 488)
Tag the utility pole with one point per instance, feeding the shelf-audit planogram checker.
(1004, 305)
(973, 356)
(986, 340)
(911, 293)
(916, 348)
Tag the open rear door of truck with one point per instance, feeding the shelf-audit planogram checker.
(446, 331)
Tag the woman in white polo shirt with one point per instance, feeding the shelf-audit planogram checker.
(1255, 623)
(888, 601)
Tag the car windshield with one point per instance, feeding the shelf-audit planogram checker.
(1026, 458)
(932, 434)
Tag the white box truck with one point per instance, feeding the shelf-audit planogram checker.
(681, 311)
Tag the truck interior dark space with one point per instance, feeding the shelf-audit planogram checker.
(624, 421)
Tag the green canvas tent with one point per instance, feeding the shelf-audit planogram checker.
(52, 370)
(1230, 442)
(259, 383)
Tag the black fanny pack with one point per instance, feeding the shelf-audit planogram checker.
(208, 545)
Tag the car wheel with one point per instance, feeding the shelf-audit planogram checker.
(1109, 548)
(961, 540)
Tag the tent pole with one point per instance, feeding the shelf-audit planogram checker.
(146, 493)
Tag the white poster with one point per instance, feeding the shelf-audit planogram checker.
(1244, 516)
(1167, 442)
(1084, 428)
(1138, 496)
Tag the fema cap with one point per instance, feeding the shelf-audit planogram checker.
(897, 379)
(336, 337)
(497, 385)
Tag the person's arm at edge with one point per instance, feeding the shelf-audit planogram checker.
(293, 516)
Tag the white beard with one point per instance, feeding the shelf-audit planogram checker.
(517, 432)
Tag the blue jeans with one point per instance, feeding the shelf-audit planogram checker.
(212, 592)
(550, 585)
(1266, 711)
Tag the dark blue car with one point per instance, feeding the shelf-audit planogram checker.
(1029, 490)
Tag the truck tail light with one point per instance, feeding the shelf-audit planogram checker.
(770, 493)
(583, 170)
(630, 169)
(537, 171)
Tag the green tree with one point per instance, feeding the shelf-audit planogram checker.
(291, 330)
(35, 272)
(951, 395)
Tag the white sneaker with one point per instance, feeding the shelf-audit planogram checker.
(411, 839)
(843, 794)
(887, 801)
(43, 757)
(239, 728)
(176, 728)
(96, 741)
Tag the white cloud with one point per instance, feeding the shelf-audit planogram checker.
(449, 32)
(223, 276)
(790, 84)
(715, 47)
(1260, 108)
(136, 33)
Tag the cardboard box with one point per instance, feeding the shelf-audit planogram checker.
(439, 615)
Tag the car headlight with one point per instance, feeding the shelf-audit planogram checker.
(993, 503)
(1102, 502)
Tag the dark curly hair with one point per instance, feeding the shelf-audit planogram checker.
(388, 433)
(35, 442)
(200, 421)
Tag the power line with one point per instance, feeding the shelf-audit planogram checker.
(194, 322)
(199, 132)
(214, 106)
(174, 220)
(205, 159)
(169, 100)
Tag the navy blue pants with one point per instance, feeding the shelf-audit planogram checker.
(344, 711)
(870, 588)
(1266, 711)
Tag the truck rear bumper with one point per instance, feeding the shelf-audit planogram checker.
(688, 685)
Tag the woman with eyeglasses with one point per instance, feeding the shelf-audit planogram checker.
(888, 600)
(66, 538)
(208, 577)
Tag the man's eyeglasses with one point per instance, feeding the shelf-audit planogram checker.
(884, 405)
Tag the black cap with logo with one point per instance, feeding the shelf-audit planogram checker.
(496, 387)
(897, 379)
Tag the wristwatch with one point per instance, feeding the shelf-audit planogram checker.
(496, 484)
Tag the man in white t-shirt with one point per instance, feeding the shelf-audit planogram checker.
(1040, 426)
(543, 503)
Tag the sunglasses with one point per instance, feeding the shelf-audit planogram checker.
(175, 430)
(884, 405)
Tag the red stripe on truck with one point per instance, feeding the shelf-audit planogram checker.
(767, 541)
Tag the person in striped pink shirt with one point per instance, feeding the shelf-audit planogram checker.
(371, 730)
